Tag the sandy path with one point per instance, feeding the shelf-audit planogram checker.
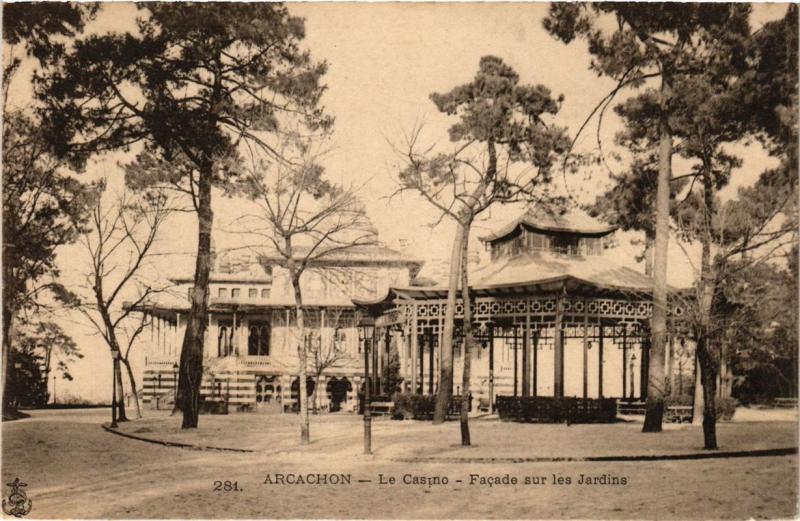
(75, 469)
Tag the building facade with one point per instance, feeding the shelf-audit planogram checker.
(250, 356)
(555, 315)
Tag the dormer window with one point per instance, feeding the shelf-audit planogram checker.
(568, 233)
(565, 244)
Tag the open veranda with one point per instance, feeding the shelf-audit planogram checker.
(512, 470)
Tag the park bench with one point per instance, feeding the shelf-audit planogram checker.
(789, 403)
(634, 408)
(679, 413)
(381, 408)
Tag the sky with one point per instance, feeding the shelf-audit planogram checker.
(384, 61)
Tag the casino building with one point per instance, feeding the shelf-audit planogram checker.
(251, 344)
(556, 315)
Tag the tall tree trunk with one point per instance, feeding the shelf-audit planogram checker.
(121, 416)
(113, 344)
(705, 356)
(468, 340)
(187, 398)
(8, 345)
(302, 359)
(134, 389)
(708, 376)
(657, 384)
(697, 403)
(445, 390)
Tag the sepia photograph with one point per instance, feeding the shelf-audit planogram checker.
(399, 260)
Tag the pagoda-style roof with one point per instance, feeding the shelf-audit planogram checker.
(536, 268)
(537, 273)
(574, 221)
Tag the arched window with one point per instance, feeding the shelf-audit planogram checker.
(258, 339)
(263, 348)
(252, 341)
(222, 342)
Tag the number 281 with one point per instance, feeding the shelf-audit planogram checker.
(226, 486)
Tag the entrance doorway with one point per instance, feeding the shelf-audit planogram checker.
(337, 392)
(268, 394)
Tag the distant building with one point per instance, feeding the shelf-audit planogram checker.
(251, 346)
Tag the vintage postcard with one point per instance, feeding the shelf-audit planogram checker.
(399, 260)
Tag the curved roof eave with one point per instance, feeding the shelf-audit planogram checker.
(548, 285)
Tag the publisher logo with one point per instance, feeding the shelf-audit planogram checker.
(17, 504)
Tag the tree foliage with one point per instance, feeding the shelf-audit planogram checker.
(505, 143)
(197, 84)
(305, 220)
(43, 206)
(676, 43)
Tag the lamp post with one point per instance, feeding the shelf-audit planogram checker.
(367, 326)
(633, 359)
(114, 355)
(175, 370)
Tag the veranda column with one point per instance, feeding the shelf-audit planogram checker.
(177, 341)
(160, 337)
(624, 360)
(671, 361)
(375, 346)
(526, 357)
(558, 347)
(491, 367)
(413, 340)
(387, 359)
(234, 341)
(422, 342)
(439, 351)
(516, 365)
(600, 361)
(585, 349)
(430, 360)
(644, 363)
(535, 349)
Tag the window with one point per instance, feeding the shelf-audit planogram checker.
(258, 339)
(593, 246)
(225, 338)
(538, 241)
(567, 244)
(222, 292)
(265, 293)
(339, 340)
(252, 293)
(235, 292)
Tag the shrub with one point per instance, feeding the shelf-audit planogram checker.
(548, 409)
(679, 399)
(725, 408)
(403, 409)
(421, 406)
